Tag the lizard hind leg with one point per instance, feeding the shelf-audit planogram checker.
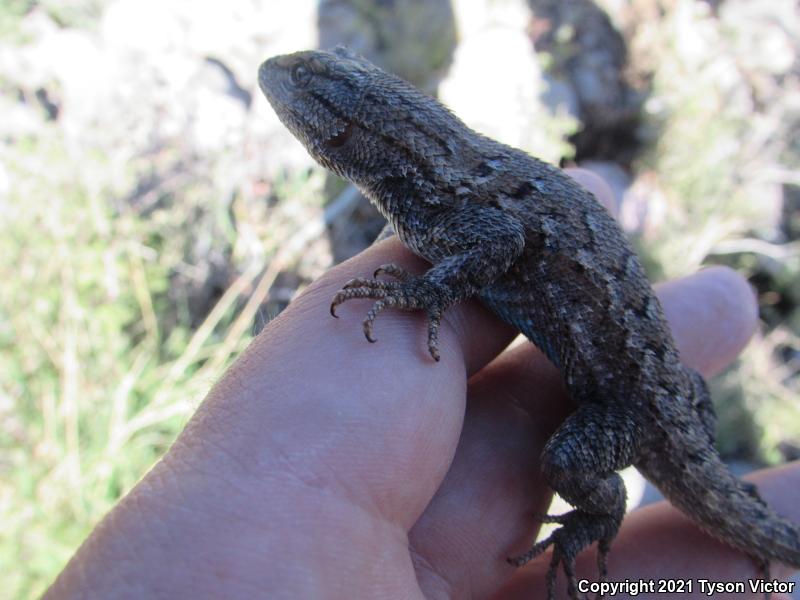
(579, 462)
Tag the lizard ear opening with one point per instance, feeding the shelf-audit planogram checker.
(341, 138)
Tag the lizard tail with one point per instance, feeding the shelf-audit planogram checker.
(725, 507)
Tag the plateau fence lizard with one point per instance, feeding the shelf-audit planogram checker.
(545, 257)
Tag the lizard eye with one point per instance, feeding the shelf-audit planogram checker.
(301, 75)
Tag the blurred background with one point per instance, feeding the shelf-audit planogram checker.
(154, 214)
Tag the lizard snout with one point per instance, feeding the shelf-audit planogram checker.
(268, 75)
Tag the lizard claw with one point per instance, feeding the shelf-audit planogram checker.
(370, 320)
(407, 294)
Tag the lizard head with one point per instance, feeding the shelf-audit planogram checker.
(355, 119)
(316, 95)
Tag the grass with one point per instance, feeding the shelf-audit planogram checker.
(101, 363)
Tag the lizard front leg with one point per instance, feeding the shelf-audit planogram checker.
(469, 258)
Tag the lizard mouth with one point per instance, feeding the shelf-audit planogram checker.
(340, 138)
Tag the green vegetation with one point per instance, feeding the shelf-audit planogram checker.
(720, 150)
(96, 365)
(103, 356)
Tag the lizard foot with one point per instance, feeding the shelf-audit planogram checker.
(408, 293)
(579, 529)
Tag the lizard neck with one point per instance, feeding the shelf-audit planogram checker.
(393, 195)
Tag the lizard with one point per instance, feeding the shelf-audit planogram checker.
(544, 256)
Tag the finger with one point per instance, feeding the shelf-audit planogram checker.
(483, 510)
(718, 301)
(484, 506)
(374, 426)
(315, 453)
(597, 185)
(326, 396)
(658, 542)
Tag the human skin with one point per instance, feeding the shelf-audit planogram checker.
(324, 466)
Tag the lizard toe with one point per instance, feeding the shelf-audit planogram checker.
(392, 270)
(369, 321)
(579, 529)
(346, 294)
(364, 282)
(434, 320)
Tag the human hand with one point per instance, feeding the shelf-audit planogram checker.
(324, 466)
